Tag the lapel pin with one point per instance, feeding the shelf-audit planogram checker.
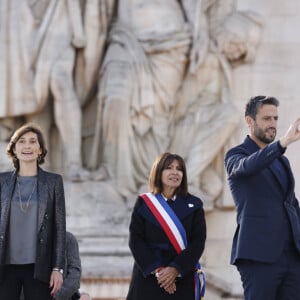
(191, 205)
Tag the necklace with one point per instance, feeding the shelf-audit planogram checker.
(24, 210)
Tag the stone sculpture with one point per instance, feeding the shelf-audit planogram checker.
(205, 115)
(40, 39)
(141, 77)
(165, 85)
(149, 47)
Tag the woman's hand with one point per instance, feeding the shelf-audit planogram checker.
(56, 281)
(171, 289)
(166, 279)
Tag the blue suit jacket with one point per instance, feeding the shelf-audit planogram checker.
(267, 215)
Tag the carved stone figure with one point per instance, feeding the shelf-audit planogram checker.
(143, 68)
(37, 60)
(206, 117)
(165, 75)
(97, 18)
(142, 107)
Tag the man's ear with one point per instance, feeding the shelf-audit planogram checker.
(249, 121)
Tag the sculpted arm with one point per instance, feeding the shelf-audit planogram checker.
(75, 14)
(96, 23)
(204, 16)
(197, 20)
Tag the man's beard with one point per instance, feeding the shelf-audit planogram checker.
(261, 136)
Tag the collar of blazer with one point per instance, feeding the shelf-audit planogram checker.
(43, 194)
(42, 188)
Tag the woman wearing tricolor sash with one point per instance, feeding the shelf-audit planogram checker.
(167, 236)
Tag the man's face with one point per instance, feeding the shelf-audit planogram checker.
(263, 129)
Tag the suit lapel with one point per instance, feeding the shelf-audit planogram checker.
(42, 196)
(291, 180)
(275, 173)
(253, 147)
(288, 172)
(6, 195)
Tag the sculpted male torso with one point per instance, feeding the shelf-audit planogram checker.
(153, 17)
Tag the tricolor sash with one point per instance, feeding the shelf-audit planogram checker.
(175, 232)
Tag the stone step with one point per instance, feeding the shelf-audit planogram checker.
(103, 266)
(105, 256)
(103, 246)
(106, 288)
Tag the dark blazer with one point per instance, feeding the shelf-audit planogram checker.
(151, 249)
(51, 231)
(267, 215)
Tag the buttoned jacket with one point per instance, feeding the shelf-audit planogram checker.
(51, 231)
(267, 212)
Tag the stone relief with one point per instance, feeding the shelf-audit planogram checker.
(114, 83)
(41, 38)
(205, 117)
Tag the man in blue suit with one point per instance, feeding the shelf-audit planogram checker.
(266, 244)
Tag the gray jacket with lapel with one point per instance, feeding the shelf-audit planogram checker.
(51, 231)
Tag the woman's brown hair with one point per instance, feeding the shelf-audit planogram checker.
(160, 164)
(30, 127)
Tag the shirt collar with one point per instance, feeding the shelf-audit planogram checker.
(173, 198)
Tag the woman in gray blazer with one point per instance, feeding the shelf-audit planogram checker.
(32, 221)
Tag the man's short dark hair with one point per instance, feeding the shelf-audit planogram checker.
(255, 103)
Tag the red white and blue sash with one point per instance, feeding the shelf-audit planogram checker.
(175, 231)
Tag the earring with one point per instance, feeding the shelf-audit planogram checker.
(15, 159)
